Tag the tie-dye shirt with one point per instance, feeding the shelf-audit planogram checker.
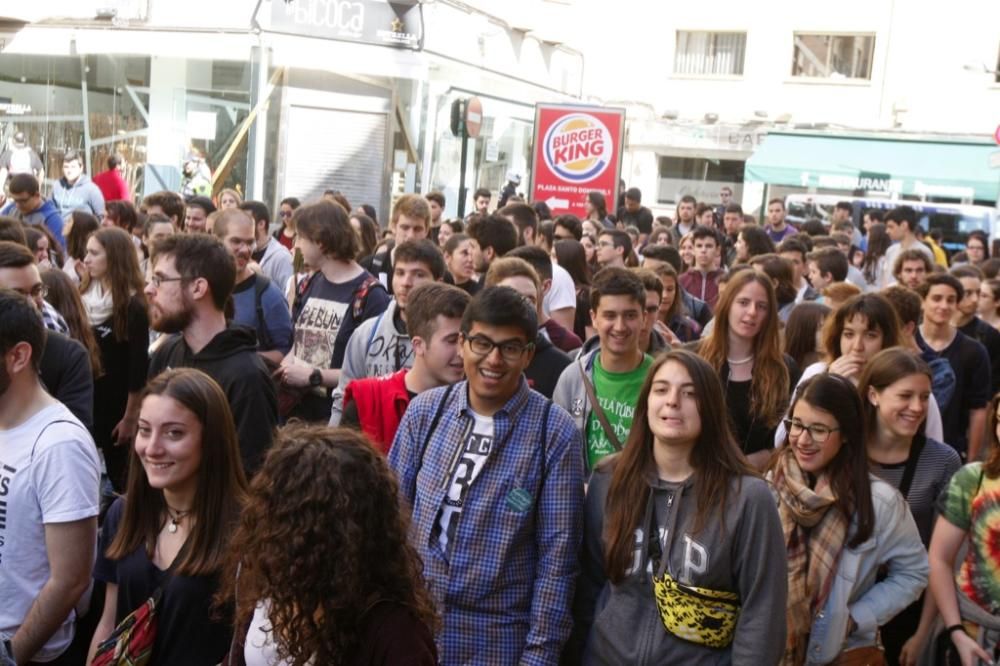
(972, 503)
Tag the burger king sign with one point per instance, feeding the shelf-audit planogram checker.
(577, 150)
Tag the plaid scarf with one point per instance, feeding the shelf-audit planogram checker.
(815, 531)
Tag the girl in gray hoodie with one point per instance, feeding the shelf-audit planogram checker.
(683, 560)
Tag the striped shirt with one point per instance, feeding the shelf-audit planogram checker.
(937, 463)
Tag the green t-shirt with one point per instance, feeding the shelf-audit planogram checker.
(617, 392)
(972, 503)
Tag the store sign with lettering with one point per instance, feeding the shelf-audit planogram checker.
(577, 150)
(394, 24)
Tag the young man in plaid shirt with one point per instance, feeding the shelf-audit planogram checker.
(494, 474)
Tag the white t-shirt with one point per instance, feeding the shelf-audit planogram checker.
(888, 279)
(259, 649)
(45, 477)
(562, 294)
(475, 450)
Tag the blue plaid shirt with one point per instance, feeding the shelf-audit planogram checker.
(507, 591)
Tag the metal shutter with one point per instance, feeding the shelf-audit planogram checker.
(339, 150)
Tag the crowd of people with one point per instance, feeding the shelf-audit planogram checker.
(507, 439)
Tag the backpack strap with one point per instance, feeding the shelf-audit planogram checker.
(598, 411)
(300, 293)
(360, 296)
(260, 285)
(434, 423)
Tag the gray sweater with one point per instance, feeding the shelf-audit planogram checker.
(620, 624)
(376, 349)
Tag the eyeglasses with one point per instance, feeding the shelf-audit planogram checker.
(817, 433)
(510, 350)
(157, 280)
(285, 213)
(38, 291)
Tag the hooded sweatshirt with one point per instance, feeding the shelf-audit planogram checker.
(379, 346)
(81, 195)
(47, 214)
(546, 366)
(231, 359)
(620, 623)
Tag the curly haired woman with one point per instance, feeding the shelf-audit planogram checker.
(320, 567)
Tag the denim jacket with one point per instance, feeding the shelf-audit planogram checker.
(895, 541)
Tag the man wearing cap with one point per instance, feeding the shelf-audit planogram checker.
(19, 158)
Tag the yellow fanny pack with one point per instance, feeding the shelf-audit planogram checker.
(695, 614)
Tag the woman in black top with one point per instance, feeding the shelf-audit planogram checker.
(112, 293)
(744, 347)
(170, 532)
(459, 254)
(895, 388)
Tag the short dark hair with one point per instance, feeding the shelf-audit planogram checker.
(170, 203)
(793, 244)
(114, 159)
(421, 251)
(701, 231)
(327, 224)
(12, 230)
(905, 302)
(201, 256)
(122, 212)
(650, 280)
(72, 155)
(570, 223)
(15, 255)
(845, 205)
(733, 208)
(937, 279)
(776, 200)
(493, 231)
(616, 281)
(436, 197)
(667, 253)
(501, 306)
(830, 260)
(258, 211)
(291, 201)
(202, 202)
(813, 227)
(620, 239)
(634, 193)
(482, 192)
(901, 214)
(542, 210)
(913, 254)
(24, 183)
(874, 214)
(20, 322)
(967, 271)
(536, 257)
(523, 216)
(427, 301)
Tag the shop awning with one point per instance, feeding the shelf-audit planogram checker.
(921, 167)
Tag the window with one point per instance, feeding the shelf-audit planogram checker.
(710, 53)
(833, 56)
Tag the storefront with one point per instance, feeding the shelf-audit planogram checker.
(284, 98)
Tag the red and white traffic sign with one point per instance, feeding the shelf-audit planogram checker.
(473, 117)
(577, 149)
(996, 135)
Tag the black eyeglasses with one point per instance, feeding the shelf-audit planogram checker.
(38, 291)
(510, 350)
(817, 432)
(157, 280)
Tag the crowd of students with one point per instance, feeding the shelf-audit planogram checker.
(505, 439)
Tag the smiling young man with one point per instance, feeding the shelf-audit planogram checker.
(258, 303)
(434, 316)
(612, 374)
(410, 220)
(702, 280)
(381, 345)
(960, 366)
(196, 212)
(494, 474)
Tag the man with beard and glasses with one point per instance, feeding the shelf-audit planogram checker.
(258, 303)
(49, 476)
(192, 278)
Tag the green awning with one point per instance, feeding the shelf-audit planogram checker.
(921, 167)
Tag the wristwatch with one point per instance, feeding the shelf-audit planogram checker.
(316, 378)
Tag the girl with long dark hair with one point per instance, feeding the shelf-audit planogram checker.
(597, 209)
(170, 532)
(751, 242)
(841, 526)
(309, 586)
(570, 254)
(895, 389)
(676, 518)
(744, 347)
(112, 294)
(62, 294)
(79, 228)
(802, 339)
(874, 266)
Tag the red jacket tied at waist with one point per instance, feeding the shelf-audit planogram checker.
(381, 402)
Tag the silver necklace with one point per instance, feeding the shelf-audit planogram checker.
(740, 362)
(175, 518)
